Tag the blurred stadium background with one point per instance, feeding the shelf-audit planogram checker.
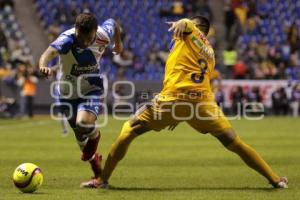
(257, 45)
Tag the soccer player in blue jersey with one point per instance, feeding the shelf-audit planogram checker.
(79, 50)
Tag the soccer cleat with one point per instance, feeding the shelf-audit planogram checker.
(282, 183)
(94, 183)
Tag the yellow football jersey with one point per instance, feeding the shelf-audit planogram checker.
(189, 66)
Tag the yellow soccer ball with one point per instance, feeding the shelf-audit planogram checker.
(28, 177)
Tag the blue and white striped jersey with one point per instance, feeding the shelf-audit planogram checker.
(79, 68)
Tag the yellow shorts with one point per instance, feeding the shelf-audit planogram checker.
(205, 117)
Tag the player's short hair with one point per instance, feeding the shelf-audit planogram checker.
(86, 22)
(204, 24)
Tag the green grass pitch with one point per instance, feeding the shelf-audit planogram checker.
(168, 165)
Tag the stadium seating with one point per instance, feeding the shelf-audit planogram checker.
(271, 28)
(144, 33)
(12, 29)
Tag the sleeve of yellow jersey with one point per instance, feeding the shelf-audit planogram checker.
(189, 28)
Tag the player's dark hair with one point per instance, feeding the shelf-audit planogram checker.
(86, 22)
(203, 23)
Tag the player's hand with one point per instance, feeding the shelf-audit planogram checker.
(46, 71)
(178, 28)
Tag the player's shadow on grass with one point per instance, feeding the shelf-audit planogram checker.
(193, 189)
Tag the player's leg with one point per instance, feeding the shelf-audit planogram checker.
(88, 137)
(216, 123)
(63, 122)
(67, 113)
(82, 117)
(87, 134)
(130, 130)
(61, 114)
(143, 121)
(248, 154)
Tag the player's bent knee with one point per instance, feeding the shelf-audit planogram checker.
(85, 128)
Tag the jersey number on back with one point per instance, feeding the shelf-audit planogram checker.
(196, 77)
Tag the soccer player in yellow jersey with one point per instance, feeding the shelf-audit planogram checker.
(187, 96)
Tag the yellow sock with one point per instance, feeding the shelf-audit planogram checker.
(118, 150)
(252, 159)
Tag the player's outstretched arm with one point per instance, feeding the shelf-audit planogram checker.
(118, 47)
(180, 27)
(46, 57)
